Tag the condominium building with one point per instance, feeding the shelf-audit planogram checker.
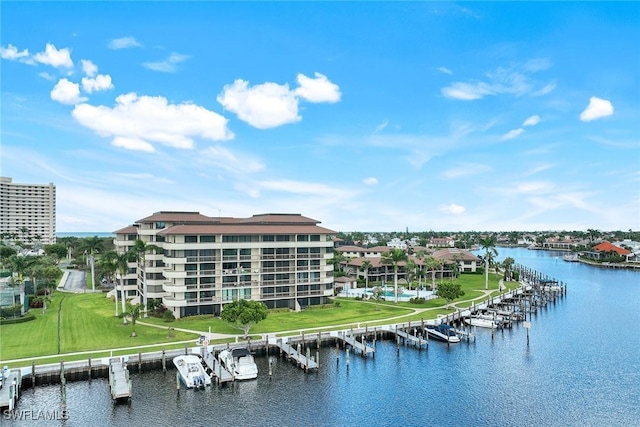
(204, 262)
(27, 211)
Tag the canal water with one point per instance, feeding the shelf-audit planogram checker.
(581, 368)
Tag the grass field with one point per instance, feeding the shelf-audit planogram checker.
(86, 322)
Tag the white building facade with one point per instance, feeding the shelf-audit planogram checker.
(205, 262)
(28, 211)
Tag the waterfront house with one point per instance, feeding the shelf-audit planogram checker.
(205, 262)
(605, 247)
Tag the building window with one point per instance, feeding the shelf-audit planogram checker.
(191, 239)
(302, 237)
(207, 239)
(283, 238)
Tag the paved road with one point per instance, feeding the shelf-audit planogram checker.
(76, 281)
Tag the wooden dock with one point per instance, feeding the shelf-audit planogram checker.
(10, 391)
(119, 380)
(215, 368)
(349, 339)
(305, 362)
(408, 338)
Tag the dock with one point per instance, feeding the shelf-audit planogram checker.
(305, 362)
(349, 339)
(409, 338)
(10, 391)
(119, 381)
(215, 368)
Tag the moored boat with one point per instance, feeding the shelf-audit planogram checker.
(443, 332)
(239, 362)
(191, 371)
(480, 322)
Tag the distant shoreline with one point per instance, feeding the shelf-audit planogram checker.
(83, 234)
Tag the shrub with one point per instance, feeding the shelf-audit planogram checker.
(417, 300)
(26, 318)
(168, 316)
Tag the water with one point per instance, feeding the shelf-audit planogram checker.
(84, 234)
(581, 368)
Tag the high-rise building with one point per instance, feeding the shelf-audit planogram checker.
(27, 212)
(203, 262)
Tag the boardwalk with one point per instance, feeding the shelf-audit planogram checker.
(293, 354)
(217, 370)
(10, 391)
(119, 379)
(361, 347)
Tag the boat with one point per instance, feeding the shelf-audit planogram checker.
(239, 362)
(571, 258)
(443, 332)
(191, 371)
(480, 322)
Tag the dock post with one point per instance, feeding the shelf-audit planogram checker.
(302, 333)
(318, 359)
(308, 358)
(298, 351)
(270, 366)
(139, 362)
(177, 380)
(337, 352)
(164, 362)
(33, 374)
(347, 358)
(89, 368)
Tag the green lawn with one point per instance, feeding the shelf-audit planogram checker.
(87, 322)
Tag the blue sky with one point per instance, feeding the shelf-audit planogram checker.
(366, 116)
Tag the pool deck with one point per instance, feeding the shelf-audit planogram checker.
(404, 294)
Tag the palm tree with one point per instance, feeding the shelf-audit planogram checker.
(133, 310)
(141, 248)
(432, 265)
(366, 266)
(92, 246)
(20, 264)
(488, 244)
(338, 258)
(394, 258)
(508, 264)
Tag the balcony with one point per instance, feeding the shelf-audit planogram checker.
(170, 302)
(174, 260)
(173, 274)
(170, 287)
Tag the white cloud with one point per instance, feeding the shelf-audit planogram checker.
(467, 91)
(452, 209)
(168, 65)
(370, 181)
(531, 121)
(123, 43)
(381, 126)
(445, 70)
(318, 89)
(46, 76)
(54, 57)
(514, 79)
(466, 169)
(514, 133)
(220, 157)
(11, 53)
(67, 92)
(100, 82)
(597, 109)
(534, 187)
(263, 106)
(138, 121)
(89, 68)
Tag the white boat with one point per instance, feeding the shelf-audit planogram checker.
(239, 362)
(191, 371)
(480, 322)
(443, 332)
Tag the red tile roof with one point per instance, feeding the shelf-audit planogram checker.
(608, 247)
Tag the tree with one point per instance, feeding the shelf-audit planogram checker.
(337, 260)
(508, 265)
(57, 251)
(92, 246)
(432, 265)
(243, 314)
(394, 258)
(133, 311)
(366, 266)
(449, 290)
(488, 244)
(119, 263)
(141, 248)
(20, 264)
(5, 253)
